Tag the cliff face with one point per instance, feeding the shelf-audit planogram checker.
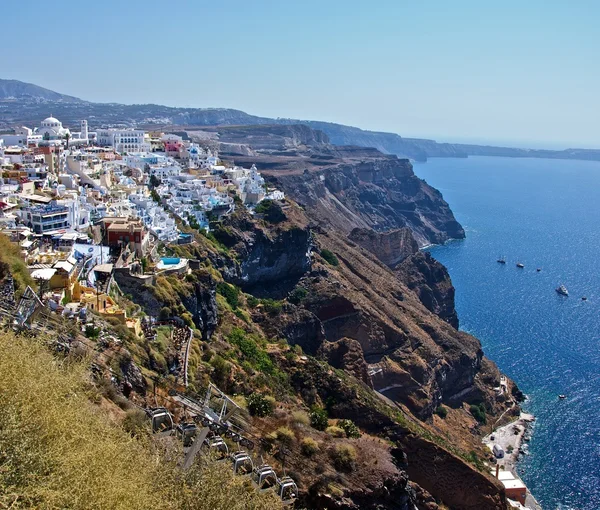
(431, 282)
(265, 257)
(390, 247)
(382, 194)
(272, 137)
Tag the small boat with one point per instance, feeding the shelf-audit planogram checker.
(584, 298)
(562, 290)
(562, 397)
(520, 265)
(501, 260)
(538, 269)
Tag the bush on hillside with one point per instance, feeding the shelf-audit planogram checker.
(330, 257)
(344, 457)
(442, 412)
(300, 418)
(271, 210)
(285, 435)
(318, 418)
(231, 293)
(10, 256)
(251, 351)
(478, 412)
(334, 431)
(297, 295)
(309, 446)
(349, 428)
(259, 405)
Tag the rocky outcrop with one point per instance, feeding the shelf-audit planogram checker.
(391, 493)
(431, 282)
(391, 247)
(133, 379)
(347, 354)
(265, 257)
(202, 304)
(379, 193)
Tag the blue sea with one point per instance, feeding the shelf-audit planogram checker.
(545, 214)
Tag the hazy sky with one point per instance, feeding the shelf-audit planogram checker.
(508, 71)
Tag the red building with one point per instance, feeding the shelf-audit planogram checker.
(121, 232)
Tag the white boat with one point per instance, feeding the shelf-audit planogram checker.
(562, 290)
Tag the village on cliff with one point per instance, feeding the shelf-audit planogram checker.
(84, 205)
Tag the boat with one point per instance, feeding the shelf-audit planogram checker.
(520, 265)
(583, 298)
(501, 260)
(562, 290)
(562, 397)
(538, 269)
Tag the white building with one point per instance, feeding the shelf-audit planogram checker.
(124, 140)
(52, 129)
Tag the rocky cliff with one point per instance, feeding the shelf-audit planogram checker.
(266, 256)
(431, 282)
(391, 247)
(379, 193)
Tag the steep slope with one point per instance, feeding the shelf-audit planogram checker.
(379, 193)
(61, 449)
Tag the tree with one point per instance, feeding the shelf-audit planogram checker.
(154, 181)
(67, 138)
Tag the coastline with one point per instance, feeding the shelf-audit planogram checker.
(510, 438)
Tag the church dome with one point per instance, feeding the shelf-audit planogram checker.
(51, 122)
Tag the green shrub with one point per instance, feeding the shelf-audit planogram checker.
(330, 257)
(478, 412)
(309, 446)
(230, 292)
(272, 211)
(300, 418)
(221, 371)
(349, 428)
(344, 457)
(259, 405)
(91, 331)
(335, 431)
(271, 306)
(442, 412)
(318, 418)
(297, 295)
(252, 301)
(251, 351)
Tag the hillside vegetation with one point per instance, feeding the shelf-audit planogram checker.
(60, 450)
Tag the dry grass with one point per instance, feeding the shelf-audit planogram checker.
(58, 450)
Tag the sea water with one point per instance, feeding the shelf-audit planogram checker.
(544, 214)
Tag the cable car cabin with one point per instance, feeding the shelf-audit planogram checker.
(242, 463)
(217, 446)
(287, 490)
(264, 478)
(187, 433)
(162, 421)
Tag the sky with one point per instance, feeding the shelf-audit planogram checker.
(523, 73)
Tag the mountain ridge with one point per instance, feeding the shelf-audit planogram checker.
(23, 102)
